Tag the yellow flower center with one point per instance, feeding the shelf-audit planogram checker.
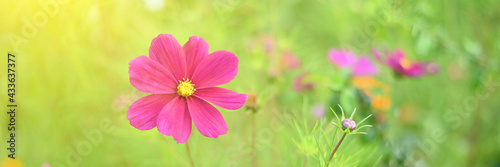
(185, 88)
(405, 63)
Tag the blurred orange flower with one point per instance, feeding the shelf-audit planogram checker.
(9, 162)
(382, 103)
(407, 113)
(378, 92)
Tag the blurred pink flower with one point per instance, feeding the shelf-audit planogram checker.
(318, 111)
(121, 102)
(269, 45)
(182, 81)
(397, 62)
(46, 164)
(290, 61)
(300, 84)
(361, 66)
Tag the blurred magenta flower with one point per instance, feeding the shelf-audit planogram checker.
(182, 81)
(301, 85)
(397, 62)
(361, 66)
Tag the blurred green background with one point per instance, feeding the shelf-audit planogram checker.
(73, 86)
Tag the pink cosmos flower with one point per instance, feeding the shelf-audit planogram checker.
(397, 62)
(361, 66)
(182, 80)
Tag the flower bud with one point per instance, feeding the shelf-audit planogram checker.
(349, 123)
(252, 103)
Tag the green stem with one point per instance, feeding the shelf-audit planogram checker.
(335, 150)
(189, 154)
(254, 140)
(305, 161)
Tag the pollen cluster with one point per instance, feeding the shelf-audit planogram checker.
(405, 63)
(185, 88)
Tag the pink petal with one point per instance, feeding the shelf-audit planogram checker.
(390, 60)
(431, 68)
(222, 97)
(394, 63)
(364, 67)
(143, 112)
(341, 58)
(150, 77)
(168, 52)
(415, 70)
(206, 118)
(398, 54)
(196, 49)
(217, 68)
(174, 120)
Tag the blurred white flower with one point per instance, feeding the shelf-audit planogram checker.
(155, 5)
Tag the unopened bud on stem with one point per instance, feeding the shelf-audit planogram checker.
(349, 123)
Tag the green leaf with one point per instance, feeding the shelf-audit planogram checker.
(341, 109)
(352, 115)
(297, 127)
(363, 120)
(336, 116)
